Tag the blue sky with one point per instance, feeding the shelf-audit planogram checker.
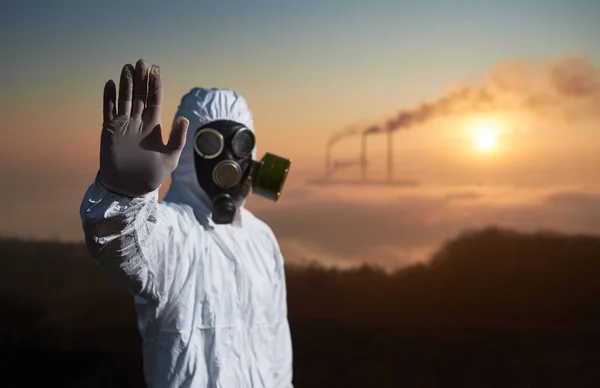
(315, 39)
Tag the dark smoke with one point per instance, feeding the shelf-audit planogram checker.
(349, 131)
(568, 89)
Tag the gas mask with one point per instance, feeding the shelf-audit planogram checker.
(226, 171)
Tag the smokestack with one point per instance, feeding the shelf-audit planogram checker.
(389, 156)
(363, 157)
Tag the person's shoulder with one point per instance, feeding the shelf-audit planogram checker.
(257, 225)
(263, 234)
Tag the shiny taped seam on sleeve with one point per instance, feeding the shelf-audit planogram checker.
(116, 228)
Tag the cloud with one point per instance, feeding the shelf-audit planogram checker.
(405, 228)
(462, 196)
(341, 226)
(575, 200)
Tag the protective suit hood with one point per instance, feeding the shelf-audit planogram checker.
(201, 106)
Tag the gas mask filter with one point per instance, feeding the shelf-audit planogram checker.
(226, 171)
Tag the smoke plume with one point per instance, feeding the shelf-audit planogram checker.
(568, 89)
(351, 130)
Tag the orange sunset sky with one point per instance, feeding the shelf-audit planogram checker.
(521, 81)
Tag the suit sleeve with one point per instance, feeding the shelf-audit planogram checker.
(282, 343)
(130, 239)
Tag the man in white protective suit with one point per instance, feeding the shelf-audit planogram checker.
(207, 275)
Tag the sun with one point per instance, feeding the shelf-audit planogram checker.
(485, 138)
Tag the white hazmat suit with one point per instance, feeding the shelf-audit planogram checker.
(210, 299)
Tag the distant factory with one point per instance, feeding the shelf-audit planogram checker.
(331, 165)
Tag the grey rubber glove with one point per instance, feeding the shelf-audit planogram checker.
(133, 158)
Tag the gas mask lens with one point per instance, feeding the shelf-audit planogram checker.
(209, 143)
(242, 143)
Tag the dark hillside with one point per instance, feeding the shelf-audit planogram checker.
(494, 308)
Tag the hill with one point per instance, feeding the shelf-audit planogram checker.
(492, 308)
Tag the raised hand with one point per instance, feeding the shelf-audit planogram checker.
(133, 158)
